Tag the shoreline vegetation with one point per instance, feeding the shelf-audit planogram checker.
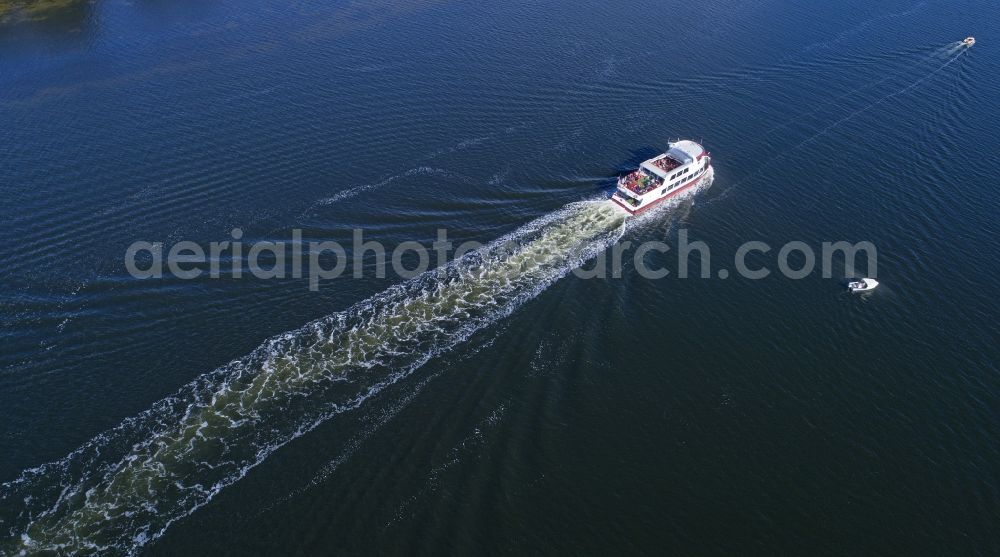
(35, 10)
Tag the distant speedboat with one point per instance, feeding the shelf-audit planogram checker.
(863, 285)
(683, 165)
(969, 41)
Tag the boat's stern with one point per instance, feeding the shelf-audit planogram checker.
(625, 200)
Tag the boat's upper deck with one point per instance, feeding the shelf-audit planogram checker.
(662, 165)
(652, 173)
(666, 164)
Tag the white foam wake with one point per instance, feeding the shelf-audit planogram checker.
(125, 487)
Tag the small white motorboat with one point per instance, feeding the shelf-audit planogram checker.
(969, 41)
(863, 285)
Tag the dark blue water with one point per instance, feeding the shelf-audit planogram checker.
(510, 406)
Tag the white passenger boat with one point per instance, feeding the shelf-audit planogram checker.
(685, 164)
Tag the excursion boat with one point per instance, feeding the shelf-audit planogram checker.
(683, 165)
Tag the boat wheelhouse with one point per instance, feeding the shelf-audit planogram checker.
(683, 165)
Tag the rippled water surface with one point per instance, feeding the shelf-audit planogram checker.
(504, 404)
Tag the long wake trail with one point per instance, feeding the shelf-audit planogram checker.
(125, 487)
